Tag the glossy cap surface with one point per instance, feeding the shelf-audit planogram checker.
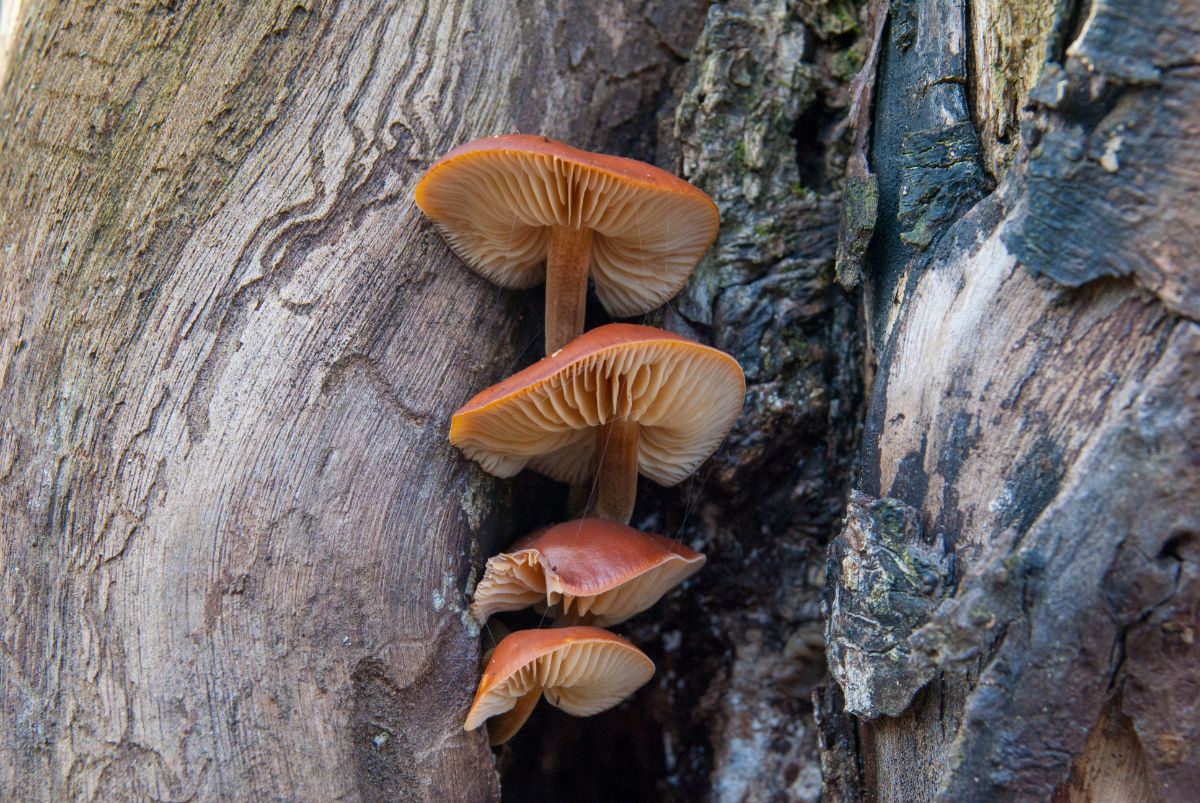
(592, 569)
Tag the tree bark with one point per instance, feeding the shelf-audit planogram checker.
(1016, 589)
(238, 550)
(236, 543)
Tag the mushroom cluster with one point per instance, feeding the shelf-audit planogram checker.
(601, 408)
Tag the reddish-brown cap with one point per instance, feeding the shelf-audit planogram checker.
(582, 670)
(594, 570)
(684, 396)
(494, 200)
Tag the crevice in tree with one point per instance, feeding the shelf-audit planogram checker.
(1073, 14)
(738, 649)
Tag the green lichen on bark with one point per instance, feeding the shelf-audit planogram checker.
(735, 124)
(860, 210)
(756, 126)
(885, 579)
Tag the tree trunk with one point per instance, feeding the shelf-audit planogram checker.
(236, 543)
(1015, 593)
(238, 548)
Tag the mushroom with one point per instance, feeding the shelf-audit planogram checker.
(598, 572)
(618, 400)
(582, 670)
(521, 209)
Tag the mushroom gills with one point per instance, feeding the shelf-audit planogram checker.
(582, 670)
(504, 726)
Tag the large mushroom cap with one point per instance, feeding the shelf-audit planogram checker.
(582, 670)
(494, 200)
(684, 396)
(593, 568)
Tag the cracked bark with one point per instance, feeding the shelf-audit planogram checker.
(1036, 408)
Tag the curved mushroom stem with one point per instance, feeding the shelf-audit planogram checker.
(616, 469)
(568, 257)
(505, 726)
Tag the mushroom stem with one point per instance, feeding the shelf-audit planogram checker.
(568, 257)
(616, 469)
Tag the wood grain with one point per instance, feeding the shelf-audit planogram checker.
(236, 542)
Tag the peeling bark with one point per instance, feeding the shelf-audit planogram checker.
(1036, 415)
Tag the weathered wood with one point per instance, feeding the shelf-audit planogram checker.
(1008, 43)
(1115, 142)
(235, 541)
(1047, 429)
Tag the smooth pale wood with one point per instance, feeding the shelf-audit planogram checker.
(568, 257)
(235, 543)
(616, 469)
(1112, 768)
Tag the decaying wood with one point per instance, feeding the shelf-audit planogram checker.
(1008, 42)
(237, 546)
(235, 541)
(759, 125)
(761, 128)
(1038, 416)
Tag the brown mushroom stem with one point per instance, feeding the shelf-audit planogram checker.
(616, 469)
(502, 728)
(568, 257)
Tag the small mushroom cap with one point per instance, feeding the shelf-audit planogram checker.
(593, 568)
(494, 200)
(582, 670)
(684, 396)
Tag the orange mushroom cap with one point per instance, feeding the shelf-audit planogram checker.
(684, 396)
(494, 200)
(582, 670)
(593, 568)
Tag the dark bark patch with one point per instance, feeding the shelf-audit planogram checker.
(837, 737)
(924, 150)
(941, 176)
(912, 482)
(383, 756)
(1113, 153)
(885, 576)
(1031, 485)
(959, 439)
